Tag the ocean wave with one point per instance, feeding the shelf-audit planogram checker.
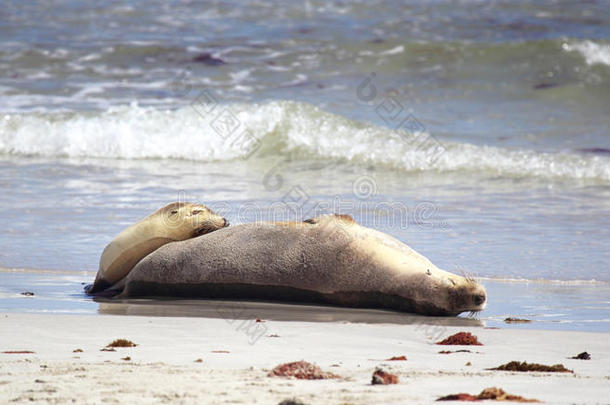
(593, 53)
(208, 132)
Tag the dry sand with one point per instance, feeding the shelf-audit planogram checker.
(237, 355)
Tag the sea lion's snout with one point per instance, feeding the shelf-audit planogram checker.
(466, 296)
(479, 299)
(204, 220)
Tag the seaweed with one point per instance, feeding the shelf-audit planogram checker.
(121, 343)
(301, 370)
(455, 351)
(498, 394)
(582, 356)
(18, 352)
(383, 378)
(492, 393)
(525, 366)
(397, 358)
(517, 320)
(459, 397)
(461, 338)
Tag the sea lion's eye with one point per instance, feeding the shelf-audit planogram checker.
(195, 212)
(428, 272)
(173, 212)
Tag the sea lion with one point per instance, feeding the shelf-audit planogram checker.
(330, 259)
(174, 222)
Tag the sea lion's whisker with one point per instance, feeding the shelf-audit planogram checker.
(466, 275)
(470, 279)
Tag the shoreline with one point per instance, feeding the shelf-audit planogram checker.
(238, 353)
(549, 306)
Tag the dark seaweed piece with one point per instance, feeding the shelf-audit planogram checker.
(525, 366)
(582, 356)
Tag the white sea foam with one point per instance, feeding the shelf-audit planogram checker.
(592, 52)
(240, 76)
(393, 51)
(281, 127)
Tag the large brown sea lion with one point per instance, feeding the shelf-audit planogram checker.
(330, 259)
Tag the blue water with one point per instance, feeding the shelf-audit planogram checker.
(483, 123)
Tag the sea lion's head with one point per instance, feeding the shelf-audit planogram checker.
(187, 220)
(436, 292)
(464, 294)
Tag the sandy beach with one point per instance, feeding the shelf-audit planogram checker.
(236, 356)
(475, 132)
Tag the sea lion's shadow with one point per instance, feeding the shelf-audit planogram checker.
(273, 311)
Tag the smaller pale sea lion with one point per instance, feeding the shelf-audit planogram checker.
(174, 222)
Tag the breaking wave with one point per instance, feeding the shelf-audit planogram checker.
(203, 132)
(593, 53)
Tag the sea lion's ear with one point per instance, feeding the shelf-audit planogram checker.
(311, 221)
(171, 208)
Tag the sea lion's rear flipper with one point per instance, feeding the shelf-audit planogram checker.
(98, 286)
(102, 288)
